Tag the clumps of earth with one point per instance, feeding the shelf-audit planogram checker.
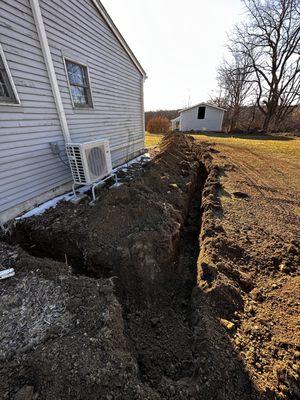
(62, 335)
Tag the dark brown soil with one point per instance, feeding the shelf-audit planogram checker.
(158, 291)
(62, 335)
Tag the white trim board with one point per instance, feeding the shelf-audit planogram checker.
(202, 105)
(42, 35)
(11, 81)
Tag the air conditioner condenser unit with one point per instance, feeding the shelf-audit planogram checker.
(90, 161)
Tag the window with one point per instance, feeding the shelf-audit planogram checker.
(8, 93)
(201, 112)
(79, 84)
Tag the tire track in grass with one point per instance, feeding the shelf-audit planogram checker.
(256, 180)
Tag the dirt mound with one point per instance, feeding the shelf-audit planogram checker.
(248, 272)
(62, 335)
(132, 232)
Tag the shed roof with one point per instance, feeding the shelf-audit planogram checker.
(203, 105)
(118, 35)
(174, 119)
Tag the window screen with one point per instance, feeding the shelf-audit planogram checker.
(79, 84)
(6, 90)
(201, 112)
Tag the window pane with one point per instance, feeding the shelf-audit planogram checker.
(79, 84)
(79, 95)
(3, 89)
(201, 112)
(6, 91)
(7, 94)
(76, 74)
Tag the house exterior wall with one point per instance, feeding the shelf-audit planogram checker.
(212, 121)
(77, 31)
(28, 169)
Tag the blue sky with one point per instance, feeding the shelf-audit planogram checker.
(179, 44)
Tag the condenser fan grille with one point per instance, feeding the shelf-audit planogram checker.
(96, 161)
(76, 164)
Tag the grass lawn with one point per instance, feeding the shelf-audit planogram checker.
(284, 148)
(152, 139)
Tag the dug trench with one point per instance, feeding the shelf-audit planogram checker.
(143, 238)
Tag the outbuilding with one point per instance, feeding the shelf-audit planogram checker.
(66, 73)
(200, 117)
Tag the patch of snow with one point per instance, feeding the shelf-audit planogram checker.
(116, 185)
(69, 196)
(138, 160)
(52, 203)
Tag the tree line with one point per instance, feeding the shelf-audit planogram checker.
(259, 81)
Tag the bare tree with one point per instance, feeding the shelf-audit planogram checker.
(270, 40)
(235, 84)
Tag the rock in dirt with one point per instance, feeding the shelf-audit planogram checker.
(25, 393)
(227, 324)
(241, 195)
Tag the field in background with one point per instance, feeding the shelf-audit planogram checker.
(281, 147)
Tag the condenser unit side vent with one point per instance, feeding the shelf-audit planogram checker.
(76, 164)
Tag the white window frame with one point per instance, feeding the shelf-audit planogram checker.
(11, 82)
(73, 60)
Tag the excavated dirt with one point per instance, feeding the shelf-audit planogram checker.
(131, 233)
(249, 265)
(62, 335)
(163, 289)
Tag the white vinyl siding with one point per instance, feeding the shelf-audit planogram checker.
(27, 166)
(212, 120)
(116, 83)
(75, 31)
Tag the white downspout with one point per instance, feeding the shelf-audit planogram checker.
(39, 23)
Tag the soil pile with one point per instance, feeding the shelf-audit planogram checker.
(62, 335)
(132, 232)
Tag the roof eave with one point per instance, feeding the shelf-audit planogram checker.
(203, 104)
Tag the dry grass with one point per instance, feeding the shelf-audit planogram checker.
(279, 147)
(282, 148)
(152, 139)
